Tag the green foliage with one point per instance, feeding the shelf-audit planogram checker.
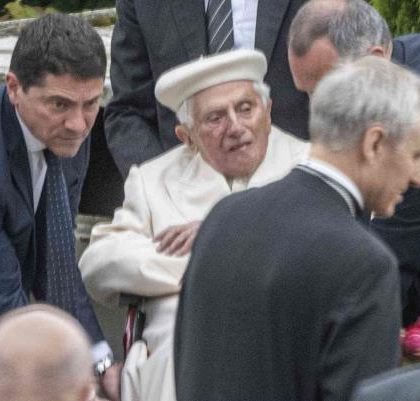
(72, 5)
(17, 10)
(403, 16)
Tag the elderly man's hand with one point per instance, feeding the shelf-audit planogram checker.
(177, 240)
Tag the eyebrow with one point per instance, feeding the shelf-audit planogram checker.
(70, 101)
(245, 98)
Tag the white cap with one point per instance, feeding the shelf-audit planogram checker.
(179, 83)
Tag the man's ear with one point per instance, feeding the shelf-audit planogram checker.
(373, 142)
(379, 51)
(269, 104)
(183, 133)
(13, 86)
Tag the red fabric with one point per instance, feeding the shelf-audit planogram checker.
(128, 337)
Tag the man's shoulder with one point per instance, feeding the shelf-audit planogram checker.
(406, 51)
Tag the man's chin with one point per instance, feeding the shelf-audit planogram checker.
(65, 152)
(385, 213)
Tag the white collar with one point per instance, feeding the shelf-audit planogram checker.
(32, 144)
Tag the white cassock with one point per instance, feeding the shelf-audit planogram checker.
(175, 188)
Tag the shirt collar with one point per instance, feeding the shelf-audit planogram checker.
(334, 173)
(32, 144)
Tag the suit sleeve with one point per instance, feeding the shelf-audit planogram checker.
(12, 294)
(362, 334)
(122, 256)
(130, 118)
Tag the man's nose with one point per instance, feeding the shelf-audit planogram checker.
(235, 125)
(76, 121)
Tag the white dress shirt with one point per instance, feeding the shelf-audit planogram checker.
(37, 163)
(244, 18)
(38, 167)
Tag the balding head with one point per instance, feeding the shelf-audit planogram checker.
(45, 356)
(325, 31)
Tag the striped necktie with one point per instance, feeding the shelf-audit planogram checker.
(219, 25)
(60, 264)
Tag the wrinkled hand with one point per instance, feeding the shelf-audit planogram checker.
(110, 382)
(177, 240)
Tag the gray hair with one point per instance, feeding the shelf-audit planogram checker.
(352, 26)
(355, 96)
(185, 114)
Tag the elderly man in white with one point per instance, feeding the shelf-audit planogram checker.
(228, 145)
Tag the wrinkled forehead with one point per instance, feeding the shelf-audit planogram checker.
(223, 95)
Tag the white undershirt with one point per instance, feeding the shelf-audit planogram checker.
(244, 18)
(38, 167)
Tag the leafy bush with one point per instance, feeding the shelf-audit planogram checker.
(15, 9)
(71, 5)
(403, 16)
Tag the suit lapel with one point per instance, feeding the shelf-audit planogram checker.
(190, 22)
(270, 16)
(16, 152)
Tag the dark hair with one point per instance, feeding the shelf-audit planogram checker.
(58, 44)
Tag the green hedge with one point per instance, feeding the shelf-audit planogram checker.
(403, 16)
(64, 5)
(71, 5)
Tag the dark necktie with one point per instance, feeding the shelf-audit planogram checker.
(60, 264)
(219, 25)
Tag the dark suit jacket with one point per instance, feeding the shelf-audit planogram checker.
(152, 36)
(286, 297)
(18, 236)
(402, 231)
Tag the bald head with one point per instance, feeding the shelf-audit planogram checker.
(325, 31)
(46, 357)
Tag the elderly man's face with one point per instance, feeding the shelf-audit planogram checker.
(398, 168)
(231, 127)
(308, 69)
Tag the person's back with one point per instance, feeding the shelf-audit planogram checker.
(289, 298)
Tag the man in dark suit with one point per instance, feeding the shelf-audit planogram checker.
(321, 34)
(287, 295)
(47, 109)
(154, 35)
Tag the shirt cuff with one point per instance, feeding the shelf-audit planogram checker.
(100, 350)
